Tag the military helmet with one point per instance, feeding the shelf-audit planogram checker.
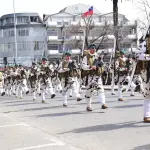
(33, 63)
(129, 56)
(44, 59)
(67, 54)
(122, 52)
(92, 46)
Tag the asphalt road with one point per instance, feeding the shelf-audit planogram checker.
(30, 125)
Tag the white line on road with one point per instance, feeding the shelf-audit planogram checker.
(39, 146)
(10, 125)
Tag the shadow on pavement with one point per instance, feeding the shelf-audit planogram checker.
(16, 102)
(143, 147)
(42, 108)
(128, 106)
(61, 114)
(106, 127)
(22, 104)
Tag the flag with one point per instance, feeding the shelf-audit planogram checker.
(88, 13)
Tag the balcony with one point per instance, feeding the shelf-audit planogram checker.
(76, 37)
(53, 52)
(99, 24)
(130, 24)
(52, 38)
(75, 23)
(54, 24)
(132, 37)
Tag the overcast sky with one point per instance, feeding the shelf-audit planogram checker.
(53, 6)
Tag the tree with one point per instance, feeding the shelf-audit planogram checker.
(86, 32)
(101, 35)
(144, 11)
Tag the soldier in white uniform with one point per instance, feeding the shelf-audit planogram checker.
(92, 69)
(68, 74)
(143, 66)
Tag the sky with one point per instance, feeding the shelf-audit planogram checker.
(127, 7)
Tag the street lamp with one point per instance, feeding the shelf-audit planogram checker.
(16, 52)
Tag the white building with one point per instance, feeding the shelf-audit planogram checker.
(31, 37)
(65, 31)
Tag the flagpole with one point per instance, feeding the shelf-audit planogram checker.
(84, 34)
(16, 53)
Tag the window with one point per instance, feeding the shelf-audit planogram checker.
(9, 33)
(38, 45)
(74, 18)
(8, 47)
(35, 19)
(1, 48)
(68, 47)
(52, 32)
(59, 23)
(9, 20)
(0, 33)
(66, 23)
(23, 32)
(3, 22)
(24, 46)
(24, 19)
(53, 46)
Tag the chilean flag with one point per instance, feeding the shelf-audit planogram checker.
(88, 13)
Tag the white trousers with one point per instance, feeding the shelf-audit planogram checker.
(146, 107)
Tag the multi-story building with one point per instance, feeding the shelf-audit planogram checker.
(65, 31)
(31, 37)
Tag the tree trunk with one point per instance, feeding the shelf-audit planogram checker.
(115, 19)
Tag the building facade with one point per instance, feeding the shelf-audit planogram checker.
(31, 37)
(66, 31)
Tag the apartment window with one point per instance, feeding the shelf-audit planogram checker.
(8, 33)
(68, 47)
(59, 23)
(1, 48)
(74, 18)
(38, 45)
(53, 46)
(9, 20)
(66, 23)
(8, 47)
(23, 32)
(35, 19)
(3, 22)
(24, 46)
(0, 33)
(24, 19)
(52, 32)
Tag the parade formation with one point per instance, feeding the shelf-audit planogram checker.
(68, 76)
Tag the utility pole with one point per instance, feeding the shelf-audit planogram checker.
(15, 33)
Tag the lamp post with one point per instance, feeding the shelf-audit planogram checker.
(16, 52)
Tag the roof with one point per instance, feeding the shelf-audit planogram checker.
(19, 15)
(77, 9)
(72, 10)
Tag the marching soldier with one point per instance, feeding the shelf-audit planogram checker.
(143, 67)
(92, 69)
(68, 74)
(44, 69)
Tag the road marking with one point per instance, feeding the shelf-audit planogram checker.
(39, 146)
(10, 125)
